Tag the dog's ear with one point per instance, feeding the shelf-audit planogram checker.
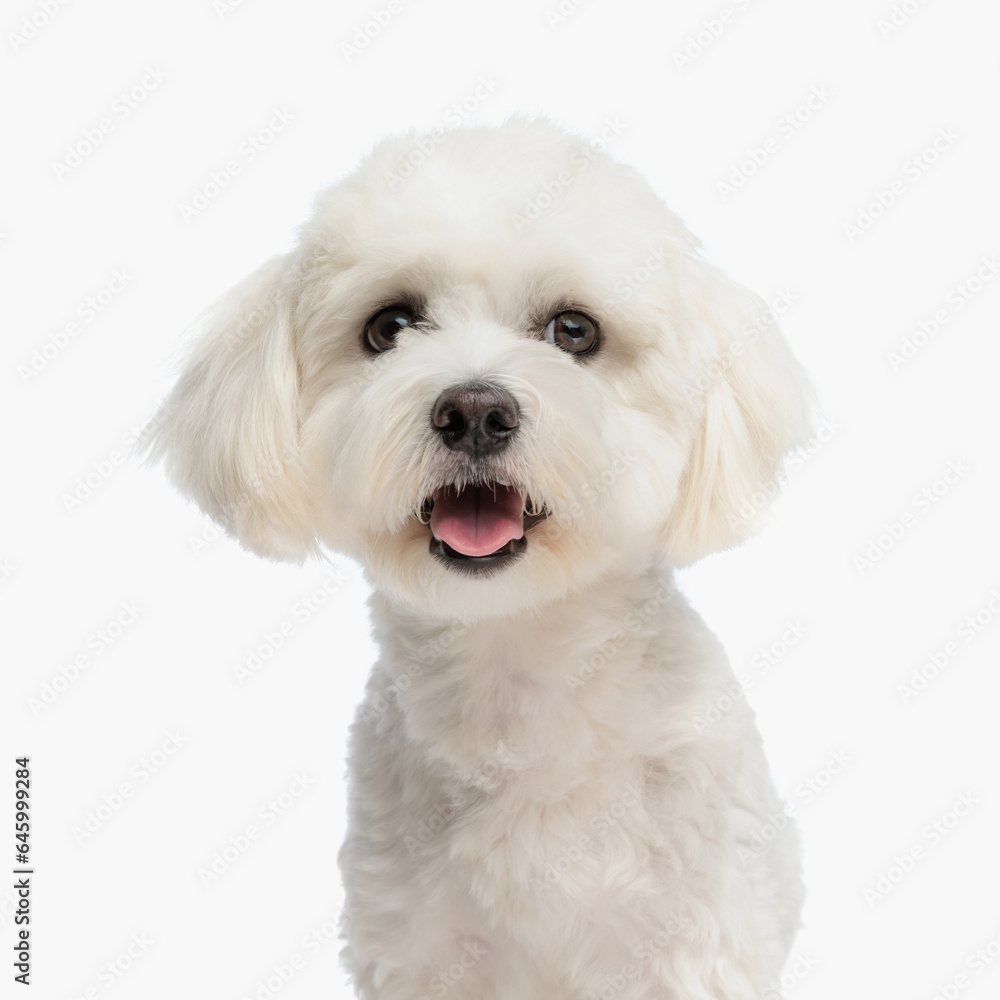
(754, 404)
(229, 430)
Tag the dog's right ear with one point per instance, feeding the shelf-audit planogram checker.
(755, 404)
(229, 430)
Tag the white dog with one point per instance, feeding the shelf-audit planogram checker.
(497, 372)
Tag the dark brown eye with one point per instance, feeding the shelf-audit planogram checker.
(572, 331)
(381, 329)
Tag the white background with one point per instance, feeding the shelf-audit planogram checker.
(68, 568)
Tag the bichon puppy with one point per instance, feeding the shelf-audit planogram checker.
(497, 372)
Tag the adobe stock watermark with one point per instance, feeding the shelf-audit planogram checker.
(223, 8)
(101, 813)
(251, 146)
(237, 845)
(591, 491)
(301, 612)
(644, 953)
(226, 522)
(256, 484)
(797, 967)
(795, 461)
(762, 663)
(425, 146)
(711, 29)
(914, 168)
(719, 368)
(373, 708)
(122, 107)
(86, 313)
(562, 12)
(472, 950)
(977, 962)
(7, 569)
(898, 16)
(627, 284)
(67, 674)
(578, 161)
(955, 301)
(756, 155)
(938, 660)
(370, 29)
(210, 533)
(431, 652)
(803, 794)
(922, 503)
(102, 469)
(262, 309)
(931, 836)
(111, 972)
(282, 972)
(30, 25)
(632, 625)
(428, 827)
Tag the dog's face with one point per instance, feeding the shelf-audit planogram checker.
(490, 376)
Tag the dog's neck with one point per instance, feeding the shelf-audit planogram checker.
(545, 685)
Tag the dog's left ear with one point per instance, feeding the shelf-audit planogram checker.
(754, 404)
(229, 431)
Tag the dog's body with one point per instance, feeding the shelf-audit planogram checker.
(506, 382)
(575, 827)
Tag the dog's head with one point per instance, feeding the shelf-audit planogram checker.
(494, 367)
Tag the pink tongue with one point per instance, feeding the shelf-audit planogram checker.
(479, 520)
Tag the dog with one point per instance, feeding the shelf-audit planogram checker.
(499, 373)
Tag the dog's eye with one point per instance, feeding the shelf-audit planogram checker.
(572, 331)
(381, 329)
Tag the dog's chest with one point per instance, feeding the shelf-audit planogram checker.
(543, 779)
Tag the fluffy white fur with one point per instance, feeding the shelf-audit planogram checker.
(538, 808)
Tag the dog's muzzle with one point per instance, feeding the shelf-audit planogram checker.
(481, 526)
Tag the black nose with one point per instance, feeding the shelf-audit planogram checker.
(477, 418)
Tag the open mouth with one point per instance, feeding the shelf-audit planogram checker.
(478, 528)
